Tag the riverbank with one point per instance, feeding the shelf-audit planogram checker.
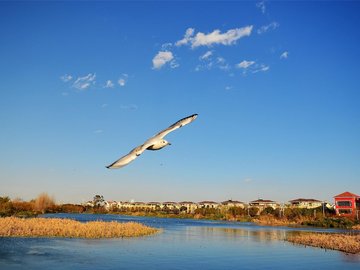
(342, 242)
(56, 227)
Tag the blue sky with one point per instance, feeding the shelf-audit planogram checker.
(275, 84)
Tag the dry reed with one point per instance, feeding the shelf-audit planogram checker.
(343, 242)
(55, 227)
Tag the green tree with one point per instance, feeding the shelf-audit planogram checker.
(253, 211)
(6, 207)
(268, 211)
(98, 200)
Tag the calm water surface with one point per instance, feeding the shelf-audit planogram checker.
(183, 244)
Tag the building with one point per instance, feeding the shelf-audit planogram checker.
(262, 204)
(347, 203)
(188, 207)
(169, 206)
(208, 204)
(305, 203)
(230, 203)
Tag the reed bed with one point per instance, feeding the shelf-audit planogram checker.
(56, 227)
(342, 242)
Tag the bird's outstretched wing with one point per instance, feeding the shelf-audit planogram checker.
(176, 125)
(137, 151)
(121, 162)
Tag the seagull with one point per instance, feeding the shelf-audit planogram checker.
(156, 142)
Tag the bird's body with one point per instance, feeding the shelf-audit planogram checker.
(156, 142)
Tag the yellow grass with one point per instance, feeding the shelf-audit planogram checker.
(55, 227)
(342, 242)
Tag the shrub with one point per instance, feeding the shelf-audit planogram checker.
(253, 211)
(6, 207)
(43, 202)
(268, 211)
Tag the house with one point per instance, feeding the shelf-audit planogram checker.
(110, 205)
(208, 204)
(231, 203)
(347, 203)
(262, 204)
(169, 206)
(153, 205)
(188, 207)
(305, 203)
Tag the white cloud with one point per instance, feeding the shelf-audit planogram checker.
(215, 37)
(245, 64)
(206, 55)
(265, 28)
(284, 55)
(121, 82)
(221, 63)
(228, 87)
(251, 66)
(166, 46)
(261, 6)
(66, 78)
(260, 68)
(161, 59)
(98, 131)
(247, 180)
(109, 84)
(123, 79)
(187, 37)
(208, 63)
(82, 83)
(174, 64)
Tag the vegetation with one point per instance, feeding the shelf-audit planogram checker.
(343, 242)
(42, 204)
(55, 227)
(318, 217)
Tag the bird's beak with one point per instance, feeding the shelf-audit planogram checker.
(169, 143)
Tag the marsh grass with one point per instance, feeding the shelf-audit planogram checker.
(55, 227)
(343, 242)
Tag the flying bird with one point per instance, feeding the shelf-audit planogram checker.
(156, 142)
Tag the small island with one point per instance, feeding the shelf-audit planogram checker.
(343, 242)
(68, 228)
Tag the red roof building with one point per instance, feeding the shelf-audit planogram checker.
(347, 203)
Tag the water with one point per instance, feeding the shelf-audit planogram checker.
(182, 244)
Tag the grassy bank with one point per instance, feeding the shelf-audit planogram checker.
(55, 227)
(343, 242)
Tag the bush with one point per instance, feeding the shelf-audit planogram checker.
(43, 202)
(342, 223)
(6, 207)
(268, 211)
(236, 211)
(253, 211)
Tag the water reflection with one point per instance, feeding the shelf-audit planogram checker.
(183, 244)
(236, 233)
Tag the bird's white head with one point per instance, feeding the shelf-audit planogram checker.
(165, 142)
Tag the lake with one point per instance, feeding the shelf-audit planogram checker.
(182, 244)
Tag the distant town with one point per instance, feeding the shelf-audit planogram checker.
(345, 204)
